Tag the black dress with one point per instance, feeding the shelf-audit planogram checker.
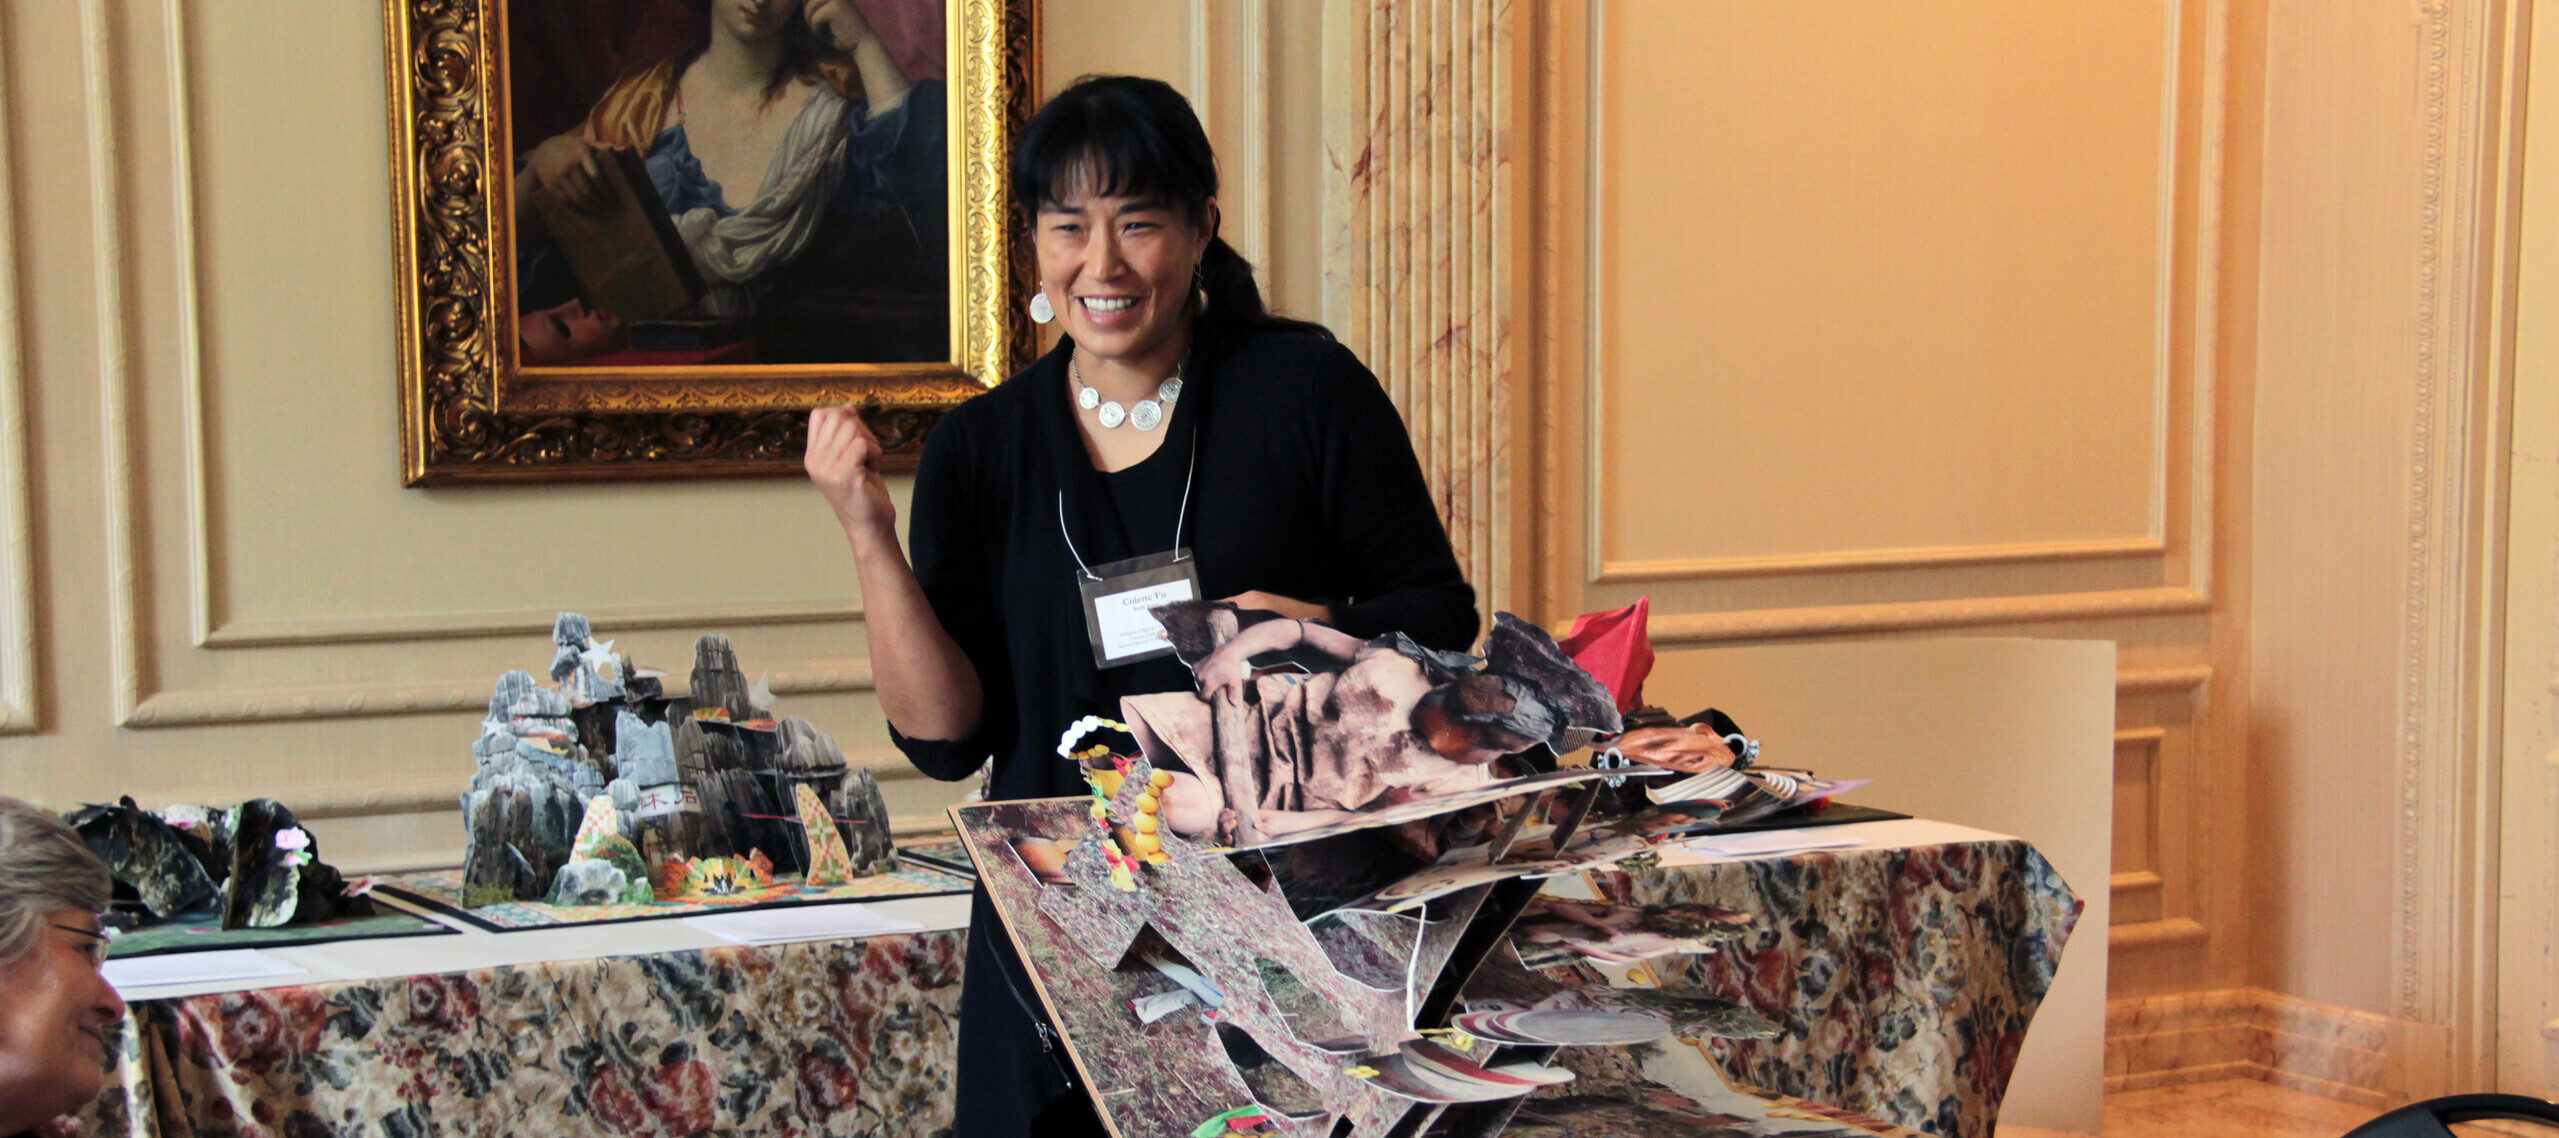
(1305, 485)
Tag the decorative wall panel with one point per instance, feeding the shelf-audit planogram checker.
(1851, 324)
(20, 694)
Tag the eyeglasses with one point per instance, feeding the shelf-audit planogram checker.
(95, 947)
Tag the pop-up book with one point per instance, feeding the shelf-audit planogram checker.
(1304, 900)
(620, 793)
(251, 866)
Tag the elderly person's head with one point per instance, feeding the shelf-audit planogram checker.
(55, 1007)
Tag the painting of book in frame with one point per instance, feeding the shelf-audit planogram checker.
(641, 238)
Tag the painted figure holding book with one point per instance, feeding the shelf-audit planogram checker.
(770, 190)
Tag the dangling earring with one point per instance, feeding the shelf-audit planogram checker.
(1199, 285)
(1041, 310)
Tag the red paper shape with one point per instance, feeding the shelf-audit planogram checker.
(1614, 647)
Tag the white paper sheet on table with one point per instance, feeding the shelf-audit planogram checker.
(800, 922)
(196, 968)
(1767, 842)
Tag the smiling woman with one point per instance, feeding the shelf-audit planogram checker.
(55, 1007)
(1180, 443)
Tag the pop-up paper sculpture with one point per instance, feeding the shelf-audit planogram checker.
(701, 772)
(1216, 964)
(253, 865)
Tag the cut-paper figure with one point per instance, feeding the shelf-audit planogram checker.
(1362, 725)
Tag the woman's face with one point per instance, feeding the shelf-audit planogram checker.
(752, 21)
(1118, 270)
(55, 1009)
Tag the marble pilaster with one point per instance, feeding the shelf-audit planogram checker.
(1418, 255)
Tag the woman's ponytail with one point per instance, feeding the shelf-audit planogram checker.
(1227, 286)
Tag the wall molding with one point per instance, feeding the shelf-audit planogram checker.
(2191, 302)
(123, 501)
(2469, 72)
(21, 690)
(2202, 305)
(2253, 1033)
(186, 239)
(1693, 629)
(2166, 932)
(1623, 572)
(523, 622)
(1230, 83)
(2137, 887)
(2152, 681)
(357, 701)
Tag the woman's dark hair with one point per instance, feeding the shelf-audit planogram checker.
(1123, 136)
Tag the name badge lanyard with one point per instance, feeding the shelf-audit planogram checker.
(1120, 597)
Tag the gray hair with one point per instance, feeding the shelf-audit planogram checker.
(43, 868)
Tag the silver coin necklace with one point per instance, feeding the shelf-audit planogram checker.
(1146, 416)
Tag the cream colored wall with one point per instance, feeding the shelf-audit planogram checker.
(2528, 996)
(2377, 516)
(1874, 319)
(2332, 420)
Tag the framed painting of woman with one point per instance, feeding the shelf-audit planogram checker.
(640, 238)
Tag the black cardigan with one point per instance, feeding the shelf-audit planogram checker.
(1306, 486)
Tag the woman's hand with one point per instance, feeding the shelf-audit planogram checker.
(570, 167)
(839, 23)
(843, 460)
(1695, 748)
(1289, 607)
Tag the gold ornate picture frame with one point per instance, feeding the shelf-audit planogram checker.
(474, 409)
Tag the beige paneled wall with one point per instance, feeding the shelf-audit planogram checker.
(1877, 319)
(1931, 239)
(2528, 848)
(2332, 424)
(2377, 521)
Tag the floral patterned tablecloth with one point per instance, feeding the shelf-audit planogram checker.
(830, 1037)
(1904, 979)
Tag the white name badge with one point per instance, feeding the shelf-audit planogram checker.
(1119, 603)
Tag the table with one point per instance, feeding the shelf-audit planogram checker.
(650, 1028)
(1904, 974)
